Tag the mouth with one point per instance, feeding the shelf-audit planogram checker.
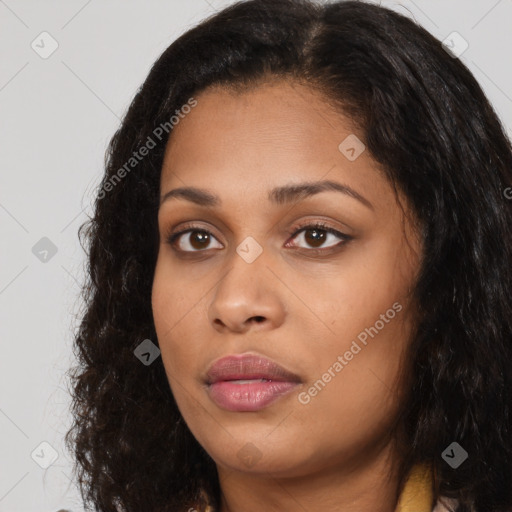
(249, 367)
(245, 383)
(248, 395)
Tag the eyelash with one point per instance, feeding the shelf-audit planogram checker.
(172, 237)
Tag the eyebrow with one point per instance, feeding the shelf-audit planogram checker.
(279, 195)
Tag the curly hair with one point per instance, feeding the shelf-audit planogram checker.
(426, 120)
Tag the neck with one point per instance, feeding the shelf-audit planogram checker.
(368, 485)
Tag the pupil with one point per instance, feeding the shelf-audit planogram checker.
(317, 240)
(201, 238)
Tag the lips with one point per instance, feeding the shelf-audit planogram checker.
(248, 367)
(248, 383)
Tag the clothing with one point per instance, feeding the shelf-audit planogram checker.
(417, 494)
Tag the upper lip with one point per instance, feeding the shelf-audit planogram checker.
(246, 367)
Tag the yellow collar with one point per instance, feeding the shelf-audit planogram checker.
(417, 495)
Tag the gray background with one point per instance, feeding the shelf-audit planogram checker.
(57, 115)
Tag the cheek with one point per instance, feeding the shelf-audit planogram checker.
(365, 309)
(353, 298)
(180, 312)
(173, 310)
(357, 410)
(358, 397)
(174, 297)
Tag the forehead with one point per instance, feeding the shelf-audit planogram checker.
(250, 141)
(279, 112)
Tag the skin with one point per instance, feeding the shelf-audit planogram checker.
(336, 452)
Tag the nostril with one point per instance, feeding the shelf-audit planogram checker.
(259, 319)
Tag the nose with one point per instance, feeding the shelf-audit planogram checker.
(249, 296)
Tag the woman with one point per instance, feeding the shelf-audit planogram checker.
(299, 293)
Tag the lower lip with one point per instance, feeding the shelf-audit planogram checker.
(250, 396)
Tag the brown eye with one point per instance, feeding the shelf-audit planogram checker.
(197, 240)
(313, 237)
(316, 235)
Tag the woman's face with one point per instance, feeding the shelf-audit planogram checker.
(331, 308)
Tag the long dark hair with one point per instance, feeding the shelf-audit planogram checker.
(425, 119)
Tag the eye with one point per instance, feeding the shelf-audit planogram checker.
(317, 234)
(198, 240)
